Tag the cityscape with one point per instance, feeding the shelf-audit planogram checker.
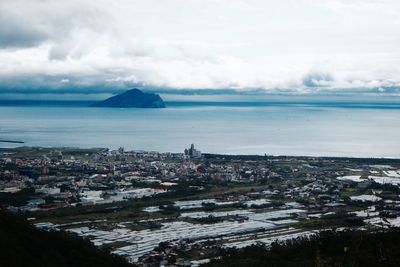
(183, 208)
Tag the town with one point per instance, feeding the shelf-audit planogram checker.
(182, 209)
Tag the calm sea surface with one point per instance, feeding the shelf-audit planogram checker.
(321, 129)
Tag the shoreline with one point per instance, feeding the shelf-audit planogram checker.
(205, 155)
(380, 104)
(11, 141)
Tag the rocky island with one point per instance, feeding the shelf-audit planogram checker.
(133, 98)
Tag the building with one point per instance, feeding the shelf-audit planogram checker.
(192, 152)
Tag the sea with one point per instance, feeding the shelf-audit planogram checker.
(257, 128)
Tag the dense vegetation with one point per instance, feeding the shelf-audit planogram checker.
(348, 248)
(16, 199)
(21, 244)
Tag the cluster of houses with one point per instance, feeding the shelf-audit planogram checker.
(273, 195)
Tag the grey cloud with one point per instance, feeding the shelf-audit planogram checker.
(106, 46)
(19, 36)
(18, 31)
(29, 23)
(317, 79)
(60, 51)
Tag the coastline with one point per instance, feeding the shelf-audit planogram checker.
(205, 155)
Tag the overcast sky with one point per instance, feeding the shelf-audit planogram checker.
(286, 46)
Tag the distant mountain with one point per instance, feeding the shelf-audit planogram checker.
(133, 98)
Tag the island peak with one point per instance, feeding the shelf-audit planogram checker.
(133, 98)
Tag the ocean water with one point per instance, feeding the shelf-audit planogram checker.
(315, 129)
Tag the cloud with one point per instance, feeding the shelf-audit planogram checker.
(317, 79)
(294, 47)
(17, 35)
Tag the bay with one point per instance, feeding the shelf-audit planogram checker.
(313, 129)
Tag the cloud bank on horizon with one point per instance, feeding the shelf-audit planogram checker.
(288, 46)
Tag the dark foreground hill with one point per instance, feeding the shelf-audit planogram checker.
(133, 98)
(21, 244)
(340, 249)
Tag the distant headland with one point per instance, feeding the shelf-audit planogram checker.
(133, 98)
(11, 141)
